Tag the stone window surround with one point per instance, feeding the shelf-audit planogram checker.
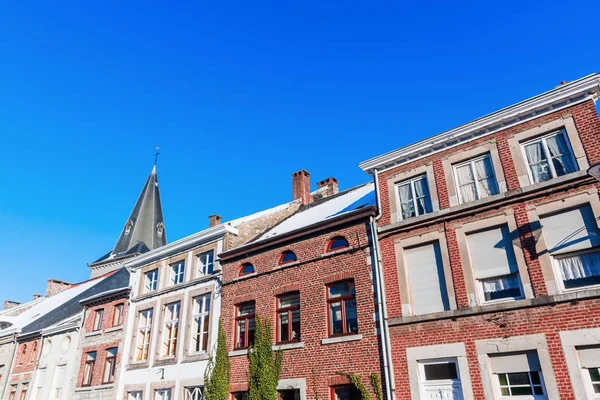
(157, 385)
(158, 359)
(140, 387)
(429, 353)
(187, 383)
(142, 277)
(570, 340)
(133, 363)
(403, 282)
(465, 155)
(293, 384)
(188, 355)
(194, 259)
(395, 179)
(514, 344)
(568, 124)
(535, 211)
(506, 218)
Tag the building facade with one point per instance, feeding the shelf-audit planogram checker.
(490, 240)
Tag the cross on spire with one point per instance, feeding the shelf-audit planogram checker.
(156, 154)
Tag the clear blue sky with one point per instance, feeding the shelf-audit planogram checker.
(238, 95)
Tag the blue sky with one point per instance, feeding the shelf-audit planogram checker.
(238, 95)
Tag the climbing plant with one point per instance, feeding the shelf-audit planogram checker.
(265, 364)
(356, 381)
(216, 377)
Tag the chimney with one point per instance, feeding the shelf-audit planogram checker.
(329, 187)
(37, 296)
(301, 187)
(214, 220)
(8, 304)
(55, 287)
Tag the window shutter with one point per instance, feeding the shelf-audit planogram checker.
(571, 230)
(515, 362)
(589, 357)
(491, 253)
(426, 279)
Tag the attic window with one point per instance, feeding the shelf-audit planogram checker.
(287, 256)
(338, 242)
(246, 269)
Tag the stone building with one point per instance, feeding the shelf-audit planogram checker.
(489, 238)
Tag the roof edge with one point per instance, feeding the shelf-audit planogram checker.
(561, 97)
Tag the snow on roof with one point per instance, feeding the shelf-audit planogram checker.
(14, 311)
(350, 200)
(44, 307)
(281, 207)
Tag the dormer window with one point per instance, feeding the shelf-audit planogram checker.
(246, 269)
(475, 179)
(338, 242)
(177, 272)
(413, 196)
(549, 157)
(287, 256)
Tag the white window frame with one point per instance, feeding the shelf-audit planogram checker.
(98, 319)
(170, 329)
(205, 261)
(590, 385)
(556, 268)
(135, 395)
(481, 292)
(522, 397)
(543, 139)
(144, 333)
(471, 163)
(411, 182)
(39, 384)
(193, 393)
(423, 383)
(57, 387)
(178, 272)
(159, 394)
(151, 281)
(198, 314)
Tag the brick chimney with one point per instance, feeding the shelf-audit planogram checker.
(55, 287)
(37, 296)
(301, 187)
(214, 220)
(329, 187)
(8, 304)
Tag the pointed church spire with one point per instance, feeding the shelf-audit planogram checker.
(145, 228)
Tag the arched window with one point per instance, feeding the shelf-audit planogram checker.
(23, 354)
(287, 256)
(246, 269)
(338, 242)
(32, 356)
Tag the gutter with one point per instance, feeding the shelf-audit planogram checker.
(103, 295)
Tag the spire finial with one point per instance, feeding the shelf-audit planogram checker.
(156, 155)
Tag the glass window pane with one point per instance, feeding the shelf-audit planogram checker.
(440, 371)
(594, 374)
(521, 378)
(351, 319)
(520, 390)
(535, 378)
(341, 289)
(538, 164)
(295, 325)
(503, 379)
(284, 327)
(538, 390)
(338, 243)
(288, 256)
(289, 300)
(335, 310)
(246, 309)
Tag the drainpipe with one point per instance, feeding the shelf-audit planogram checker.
(388, 367)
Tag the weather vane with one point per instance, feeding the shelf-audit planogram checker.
(156, 154)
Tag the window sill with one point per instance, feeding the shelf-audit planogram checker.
(236, 353)
(104, 386)
(165, 361)
(341, 339)
(168, 289)
(114, 329)
(137, 365)
(94, 333)
(246, 276)
(288, 346)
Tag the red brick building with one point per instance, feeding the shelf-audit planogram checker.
(489, 241)
(310, 275)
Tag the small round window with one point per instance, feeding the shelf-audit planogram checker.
(338, 242)
(287, 256)
(246, 269)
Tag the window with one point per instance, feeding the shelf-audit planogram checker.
(23, 355)
(288, 318)
(440, 379)
(518, 374)
(144, 334)
(494, 264)
(58, 382)
(201, 316)
(39, 384)
(88, 370)
(549, 156)
(426, 279)
(342, 309)
(347, 392)
(239, 396)
(24, 389)
(573, 240)
(589, 358)
(413, 196)
(98, 317)
(33, 353)
(177, 272)
(13, 392)
(118, 315)
(290, 394)
(150, 281)
(246, 269)
(475, 179)
(162, 394)
(170, 329)
(336, 243)
(206, 263)
(287, 257)
(137, 395)
(244, 321)
(193, 393)
(110, 365)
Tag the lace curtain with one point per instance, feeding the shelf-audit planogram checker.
(500, 283)
(406, 202)
(466, 183)
(537, 162)
(579, 266)
(485, 177)
(560, 155)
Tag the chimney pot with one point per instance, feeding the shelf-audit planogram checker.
(214, 220)
(301, 186)
(8, 304)
(55, 287)
(37, 296)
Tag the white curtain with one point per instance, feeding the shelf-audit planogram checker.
(422, 195)
(500, 283)
(580, 266)
(485, 177)
(561, 157)
(406, 202)
(537, 163)
(466, 183)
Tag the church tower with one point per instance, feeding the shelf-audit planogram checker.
(143, 231)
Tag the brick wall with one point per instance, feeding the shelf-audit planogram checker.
(308, 275)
